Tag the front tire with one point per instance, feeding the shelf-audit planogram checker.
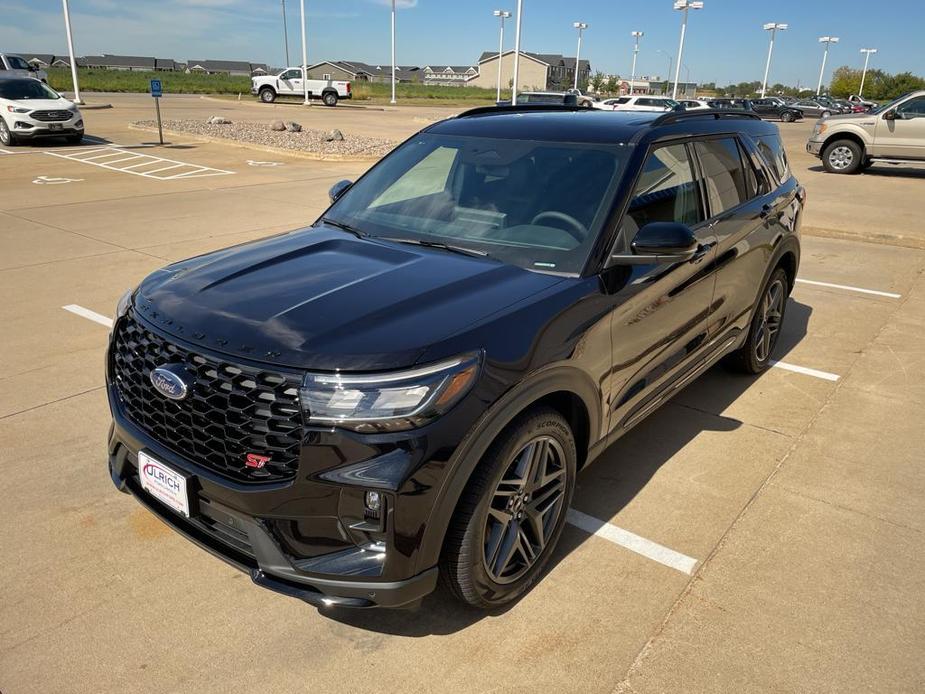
(511, 514)
(74, 139)
(787, 117)
(7, 139)
(754, 357)
(843, 157)
(267, 95)
(329, 99)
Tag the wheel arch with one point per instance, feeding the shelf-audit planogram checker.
(846, 135)
(566, 389)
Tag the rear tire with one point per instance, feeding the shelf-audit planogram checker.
(329, 99)
(7, 138)
(787, 117)
(267, 95)
(843, 157)
(512, 512)
(754, 357)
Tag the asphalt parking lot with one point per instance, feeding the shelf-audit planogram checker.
(754, 534)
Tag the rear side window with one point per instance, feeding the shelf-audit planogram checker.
(666, 192)
(772, 149)
(723, 174)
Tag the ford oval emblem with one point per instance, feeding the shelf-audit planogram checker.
(168, 381)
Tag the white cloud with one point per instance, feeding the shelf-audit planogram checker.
(399, 4)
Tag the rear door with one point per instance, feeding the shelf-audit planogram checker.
(660, 323)
(903, 137)
(744, 211)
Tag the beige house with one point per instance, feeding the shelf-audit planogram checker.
(538, 71)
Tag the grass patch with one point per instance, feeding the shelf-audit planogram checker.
(377, 92)
(127, 81)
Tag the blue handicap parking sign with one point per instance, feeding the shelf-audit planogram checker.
(156, 90)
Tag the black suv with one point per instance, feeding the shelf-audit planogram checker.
(769, 109)
(409, 387)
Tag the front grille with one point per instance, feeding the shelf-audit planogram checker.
(231, 409)
(51, 116)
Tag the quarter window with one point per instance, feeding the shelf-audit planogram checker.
(772, 149)
(666, 192)
(913, 109)
(723, 174)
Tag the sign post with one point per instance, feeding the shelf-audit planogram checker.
(157, 92)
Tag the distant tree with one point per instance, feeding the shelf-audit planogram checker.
(613, 85)
(598, 80)
(845, 82)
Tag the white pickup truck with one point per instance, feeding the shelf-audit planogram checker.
(12, 65)
(289, 83)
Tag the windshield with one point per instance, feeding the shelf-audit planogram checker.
(19, 90)
(535, 204)
(17, 63)
(887, 107)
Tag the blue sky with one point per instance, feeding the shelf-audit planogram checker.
(725, 40)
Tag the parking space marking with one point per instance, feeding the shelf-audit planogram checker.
(631, 541)
(102, 157)
(88, 314)
(860, 290)
(824, 375)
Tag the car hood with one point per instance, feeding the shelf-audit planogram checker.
(42, 104)
(322, 299)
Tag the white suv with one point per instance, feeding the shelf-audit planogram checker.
(31, 109)
(644, 103)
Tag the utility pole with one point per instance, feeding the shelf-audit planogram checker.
(285, 32)
(393, 52)
(683, 6)
(502, 14)
(70, 48)
(520, 17)
(828, 41)
(773, 28)
(581, 26)
(307, 101)
(866, 52)
(636, 35)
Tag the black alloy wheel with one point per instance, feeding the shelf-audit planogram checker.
(511, 514)
(754, 356)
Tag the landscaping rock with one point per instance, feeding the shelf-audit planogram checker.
(219, 120)
(278, 126)
(334, 136)
(293, 127)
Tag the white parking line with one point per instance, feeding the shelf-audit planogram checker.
(824, 375)
(101, 158)
(88, 314)
(631, 541)
(860, 290)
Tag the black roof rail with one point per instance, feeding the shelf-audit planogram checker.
(675, 116)
(520, 108)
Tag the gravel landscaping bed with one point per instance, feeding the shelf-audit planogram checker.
(315, 141)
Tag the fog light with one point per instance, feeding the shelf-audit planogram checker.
(22, 126)
(373, 503)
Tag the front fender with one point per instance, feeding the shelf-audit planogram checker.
(464, 460)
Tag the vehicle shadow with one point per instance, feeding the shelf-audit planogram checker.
(887, 170)
(613, 480)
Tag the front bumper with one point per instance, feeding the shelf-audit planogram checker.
(814, 147)
(27, 128)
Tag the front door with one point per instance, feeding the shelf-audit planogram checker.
(660, 326)
(903, 137)
(290, 82)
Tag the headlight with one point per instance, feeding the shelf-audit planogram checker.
(17, 109)
(125, 303)
(388, 401)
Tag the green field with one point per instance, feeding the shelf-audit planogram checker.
(126, 81)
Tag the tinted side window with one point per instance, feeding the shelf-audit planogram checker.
(913, 109)
(666, 192)
(772, 149)
(723, 174)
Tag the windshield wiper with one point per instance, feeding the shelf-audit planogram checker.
(439, 244)
(344, 227)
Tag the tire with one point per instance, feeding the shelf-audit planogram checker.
(267, 95)
(843, 157)
(329, 98)
(754, 357)
(7, 139)
(825, 114)
(473, 563)
(787, 117)
(74, 139)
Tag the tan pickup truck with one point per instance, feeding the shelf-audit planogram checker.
(891, 134)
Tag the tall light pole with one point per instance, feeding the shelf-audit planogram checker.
(307, 102)
(866, 52)
(70, 48)
(502, 14)
(520, 19)
(636, 36)
(285, 31)
(670, 62)
(773, 27)
(828, 41)
(581, 26)
(393, 52)
(683, 6)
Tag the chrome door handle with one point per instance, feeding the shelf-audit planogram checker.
(702, 250)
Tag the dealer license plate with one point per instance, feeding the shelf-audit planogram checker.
(163, 483)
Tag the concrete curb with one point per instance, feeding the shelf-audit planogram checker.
(301, 154)
(257, 104)
(884, 239)
(93, 107)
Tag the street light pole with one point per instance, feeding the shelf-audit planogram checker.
(393, 52)
(683, 6)
(285, 32)
(307, 102)
(70, 48)
(866, 52)
(636, 36)
(581, 26)
(827, 40)
(773, 27)
(520, 17)
(502, 14)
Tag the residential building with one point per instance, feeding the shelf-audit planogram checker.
(538, 71)
(39, 60)
(452, 75)
(118, 62)
(357, 71)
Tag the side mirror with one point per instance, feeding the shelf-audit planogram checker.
(889, 115)
(338, 189)
(660, 242)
